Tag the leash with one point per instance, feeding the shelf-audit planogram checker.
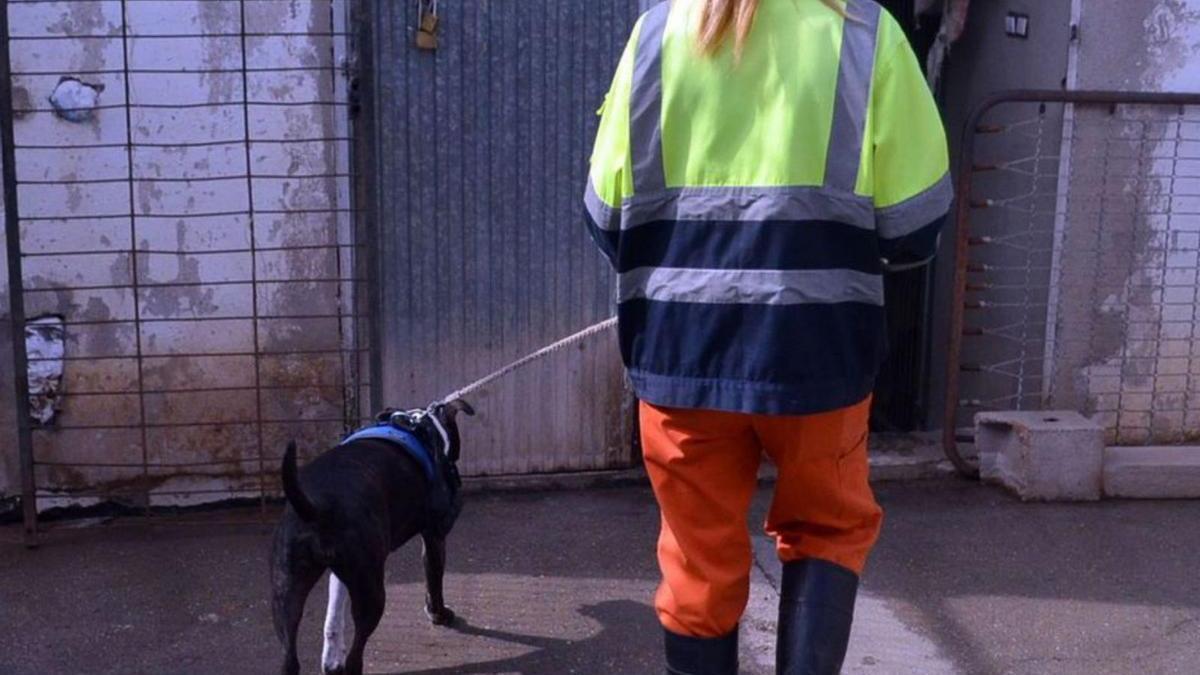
(534, 357)
(408, 419)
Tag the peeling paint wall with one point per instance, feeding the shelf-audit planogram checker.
(236, 319)
(1151, 45)
(1140, 370)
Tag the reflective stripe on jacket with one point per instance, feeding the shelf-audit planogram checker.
(750, 206)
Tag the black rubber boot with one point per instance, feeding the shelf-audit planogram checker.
(816, 609)
(701, 656)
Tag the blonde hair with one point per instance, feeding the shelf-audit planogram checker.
(719, 17)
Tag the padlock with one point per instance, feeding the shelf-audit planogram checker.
(427, 31)
(426, 41)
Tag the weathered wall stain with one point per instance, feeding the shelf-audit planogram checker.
(1172, 47)
(218, 18)
(169, 301)
(1138, 372)
(85, 18)
(193, 273)
(22, 102)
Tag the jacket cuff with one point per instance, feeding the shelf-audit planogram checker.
(916, 213)
(602, 215)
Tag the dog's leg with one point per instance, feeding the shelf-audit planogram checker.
(333, 656)
(434, 554)
(292, 585)
(367, 599)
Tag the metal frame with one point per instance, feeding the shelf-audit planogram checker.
(16, 295)
(964, 206)
(365, 161)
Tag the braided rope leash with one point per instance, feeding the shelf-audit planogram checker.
(536, 356)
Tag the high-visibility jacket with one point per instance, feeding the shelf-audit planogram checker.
(750, 206)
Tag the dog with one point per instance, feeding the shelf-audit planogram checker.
(347, 511)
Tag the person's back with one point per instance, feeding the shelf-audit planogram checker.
(749, 203)
(759, 165)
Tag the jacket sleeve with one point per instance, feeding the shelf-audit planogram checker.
(912, 186)
(610, 178)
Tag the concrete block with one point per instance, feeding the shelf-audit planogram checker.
(1042, 455)
(1152, 472)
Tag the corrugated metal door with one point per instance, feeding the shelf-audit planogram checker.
(481, 158)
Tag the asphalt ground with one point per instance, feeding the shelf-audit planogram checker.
(965, 580)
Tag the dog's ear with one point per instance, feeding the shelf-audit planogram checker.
(456, 406)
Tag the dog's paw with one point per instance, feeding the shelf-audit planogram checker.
(440, 617)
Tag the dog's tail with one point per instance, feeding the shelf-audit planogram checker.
(291, 487)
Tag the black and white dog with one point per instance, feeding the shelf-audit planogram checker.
(349, 509)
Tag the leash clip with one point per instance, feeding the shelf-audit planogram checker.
(407, 420)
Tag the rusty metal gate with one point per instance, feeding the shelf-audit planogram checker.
(480, 163)
(1078, 250)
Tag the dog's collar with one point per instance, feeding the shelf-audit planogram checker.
(411, 419)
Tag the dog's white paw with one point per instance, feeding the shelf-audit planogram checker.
(333, 656)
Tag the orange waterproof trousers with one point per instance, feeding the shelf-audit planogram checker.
(704, 468)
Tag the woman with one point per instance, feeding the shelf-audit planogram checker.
(759, 164)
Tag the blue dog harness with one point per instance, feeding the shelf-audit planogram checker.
(441, 474)
(386, 431)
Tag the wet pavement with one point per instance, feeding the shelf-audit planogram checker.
(965, 580)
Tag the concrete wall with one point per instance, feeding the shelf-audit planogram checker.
(170, 240)
(1149, 45)
(1138, 370)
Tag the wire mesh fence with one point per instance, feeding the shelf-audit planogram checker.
(187, 241)
(1079, 236)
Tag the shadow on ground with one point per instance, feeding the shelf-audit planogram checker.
(622, 623)
(545, 583)
(561, 582)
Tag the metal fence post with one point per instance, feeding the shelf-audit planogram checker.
(16, 290)
(367, 168)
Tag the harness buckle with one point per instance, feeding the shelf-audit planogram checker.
(404, 419)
